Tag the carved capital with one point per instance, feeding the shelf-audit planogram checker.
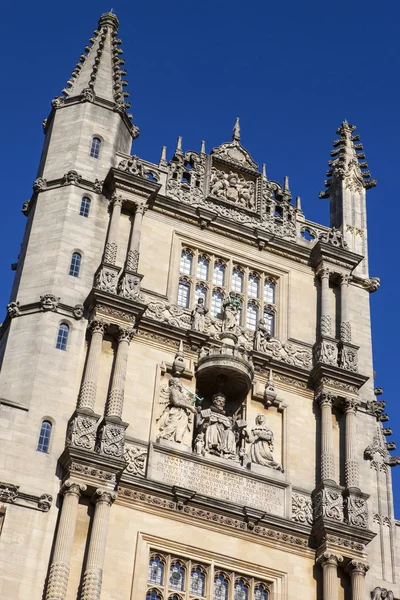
(97, 326)
(125, 334)
(141, 209)
(350, 405)
(104, 496)
(117, 201)
(323, 273)
(345, 279)
(325, 399)
(329, 559)
(356, 566)
(71, 487)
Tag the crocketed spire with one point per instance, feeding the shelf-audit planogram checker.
(346, 161)
(98, 75)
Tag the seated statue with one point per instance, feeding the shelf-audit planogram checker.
(176, 419)
(219, 436)
(261, 447)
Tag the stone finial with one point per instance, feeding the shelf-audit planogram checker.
(178, 149)
(203, 147)
(236, 131)
(264, 171)
(286, 183)
(269, 392)
(298, 203)
(109, 19)
(163, 157)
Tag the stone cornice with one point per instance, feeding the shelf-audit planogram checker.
(329, 254)
(322, 373)
(118, 180)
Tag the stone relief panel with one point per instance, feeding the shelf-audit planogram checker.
(302, 508)
(176, 413)
(136, 457)
(233, 187)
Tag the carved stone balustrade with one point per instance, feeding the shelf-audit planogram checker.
(227, 368)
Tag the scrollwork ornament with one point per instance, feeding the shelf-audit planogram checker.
(302, 509)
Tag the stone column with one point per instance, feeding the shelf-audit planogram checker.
(92, 578)
(326, 320)
(112, 430)
(351, 462)
(358, 571)
(325, 401)
(110, 252)
(60, 565)
(132, 259)
(345, 327)
(115, 400)
(87, 394)
(329, 563)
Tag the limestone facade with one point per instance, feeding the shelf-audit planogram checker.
(187, 406)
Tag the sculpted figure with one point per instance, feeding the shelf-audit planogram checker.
(198, 315)
(262, 336)
(219, 438)
(176, 418)
(261, 447)
(218, 183)
(231, 308)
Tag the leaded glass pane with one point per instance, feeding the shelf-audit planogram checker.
(44, 437)
(220, 588)
(177, 577)
(186, 263)
(216, 304)
(260, 593)
(241, 590)
(197, 582)
(201, 292)
(253, 286)
(237, 281)
(269, 292)
(95, 148)
(85, 207)
(62, 337)
(219, 274)
(269, 321)
(252, 316)
(75, 264)
(202, 268)
(156, 571)
(183, 294)
(153, 595)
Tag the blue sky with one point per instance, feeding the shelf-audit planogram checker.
(291, 70)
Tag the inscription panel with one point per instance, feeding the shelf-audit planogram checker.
(216, 482)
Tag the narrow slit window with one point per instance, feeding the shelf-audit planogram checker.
(75, 264)
(85, 207)
(44, 437)
(62, 337)
(95, 147)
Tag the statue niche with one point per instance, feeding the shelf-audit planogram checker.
(176, 418)
(217, 433)
(261, 446)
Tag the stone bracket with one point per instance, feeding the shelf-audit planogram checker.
(11, 494)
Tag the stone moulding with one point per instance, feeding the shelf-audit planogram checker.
(242, 523)
(11, 494)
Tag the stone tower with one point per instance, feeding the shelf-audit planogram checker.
(187, 407)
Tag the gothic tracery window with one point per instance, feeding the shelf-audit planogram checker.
(175, 578)
(212, 278)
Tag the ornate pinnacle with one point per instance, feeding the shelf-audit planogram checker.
(109, 19)
(236, 131)
(346, 161)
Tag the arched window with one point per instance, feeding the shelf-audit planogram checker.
(252, 316)
(85, 207)
(260, 592)
(62, 337)
(220, 587)
(219, 274)
(197, 582)
(201, 292)
(202, 268)
(95, 147)
(269, 291)
(186, 262)
(75, 264)
(44, 437)
(269, 320)
(253, 286)
(153, 595)
(216, 304)
(241, 590)
(177, 577)
(237, 280)
(183, 294)
(156, 570)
